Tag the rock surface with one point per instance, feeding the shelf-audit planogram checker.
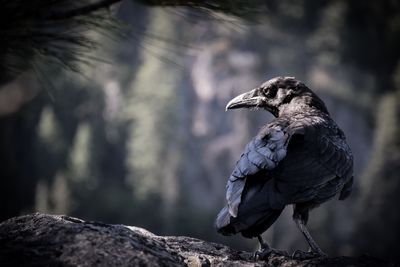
(51, 240)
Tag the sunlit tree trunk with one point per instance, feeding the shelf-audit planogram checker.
(152, 107)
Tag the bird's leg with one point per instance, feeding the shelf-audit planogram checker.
(316, 251)
(266, 250)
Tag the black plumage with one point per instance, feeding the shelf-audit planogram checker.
(299, 158)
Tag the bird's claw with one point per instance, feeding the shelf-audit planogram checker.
(305, 255)
(264, 253)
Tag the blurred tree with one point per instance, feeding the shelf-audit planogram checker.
(38, 34)
(378, 26)
(152, 108)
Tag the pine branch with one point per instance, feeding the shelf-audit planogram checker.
(81, 11)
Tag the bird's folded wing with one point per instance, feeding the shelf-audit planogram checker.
(309, 159)
(263, 153)
(336, 156)
(317, 165)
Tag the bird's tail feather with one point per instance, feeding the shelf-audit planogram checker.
(250, 225)
(222, 223)
(262, 224)
(259, 208)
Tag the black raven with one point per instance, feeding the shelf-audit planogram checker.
(301, 158)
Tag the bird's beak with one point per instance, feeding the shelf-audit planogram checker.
(246, 100)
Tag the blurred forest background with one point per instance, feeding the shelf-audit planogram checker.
(134, 132)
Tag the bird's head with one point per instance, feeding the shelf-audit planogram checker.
(277, 95)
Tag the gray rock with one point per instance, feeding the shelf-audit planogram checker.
(52, 240)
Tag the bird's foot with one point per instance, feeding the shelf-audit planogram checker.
(305, 255)
(264, 253)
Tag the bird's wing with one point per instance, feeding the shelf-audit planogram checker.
(263, 153)
(318, 164)
(306, 162)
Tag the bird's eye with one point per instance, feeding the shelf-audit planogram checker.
(270, 91)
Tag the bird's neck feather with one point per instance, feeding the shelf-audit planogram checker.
(301, 104)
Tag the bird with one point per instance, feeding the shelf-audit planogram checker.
(300, 158)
